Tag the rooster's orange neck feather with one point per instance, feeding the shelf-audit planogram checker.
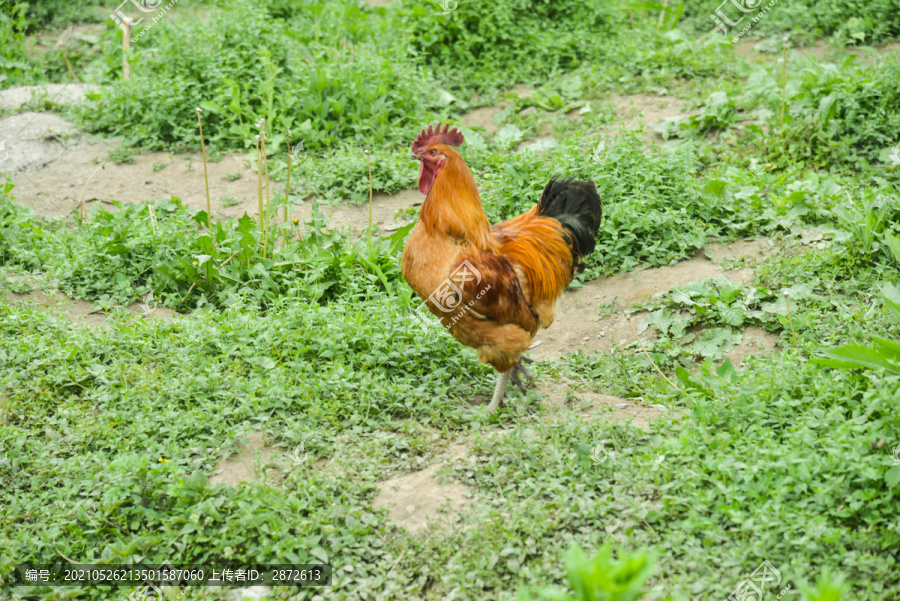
(453, 206)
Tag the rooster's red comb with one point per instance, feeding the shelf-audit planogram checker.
(451, 137)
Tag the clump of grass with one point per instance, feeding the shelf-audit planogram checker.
(233, 177)
(159, 166)
(229, 201)
(122, 156)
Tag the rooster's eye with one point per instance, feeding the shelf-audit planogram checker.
(433, 152)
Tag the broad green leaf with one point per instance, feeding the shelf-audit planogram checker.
(892, 477)
(855, 356)
(891, 293)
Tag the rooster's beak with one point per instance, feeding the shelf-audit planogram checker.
(415, 157)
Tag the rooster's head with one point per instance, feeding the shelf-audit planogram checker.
(430, 150)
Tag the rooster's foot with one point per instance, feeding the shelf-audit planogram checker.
(503, 379)
(519, 368)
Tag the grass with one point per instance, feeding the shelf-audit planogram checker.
(108, 434)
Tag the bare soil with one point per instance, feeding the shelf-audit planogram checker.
(58, 93)
(421, 499)
(583, 321)
(247, 464)
(80, 311)
(646, 107)
(482, 117)
(486, 116)
(821, 50)
(754, 341)
(596, 405)
(55, 166)
(644, 111)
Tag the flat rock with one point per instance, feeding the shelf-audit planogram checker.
(28, 141)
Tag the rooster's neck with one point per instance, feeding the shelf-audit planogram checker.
(453, 206)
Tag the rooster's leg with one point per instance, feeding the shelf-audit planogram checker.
(499, 390)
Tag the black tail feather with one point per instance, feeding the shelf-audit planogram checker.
(577, 206)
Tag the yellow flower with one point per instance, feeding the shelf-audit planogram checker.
(163, 460)
(296, 221)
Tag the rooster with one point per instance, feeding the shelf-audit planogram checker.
(493, 288)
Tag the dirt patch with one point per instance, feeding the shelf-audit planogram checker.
(820, 50)
(823, 51)
(72, 309)
(756, 250)
(81, 311)
(420, 499)
(605, 406)
(486, 116)
(646, 107)
(32, 140)
(521, 90)
(385, 208)
(745, 49)
(482, 117)
(754, 341)
(246, 464)
(880, 51)
(581, 325)
(59, 93)
(53, 176)
(56, 189)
